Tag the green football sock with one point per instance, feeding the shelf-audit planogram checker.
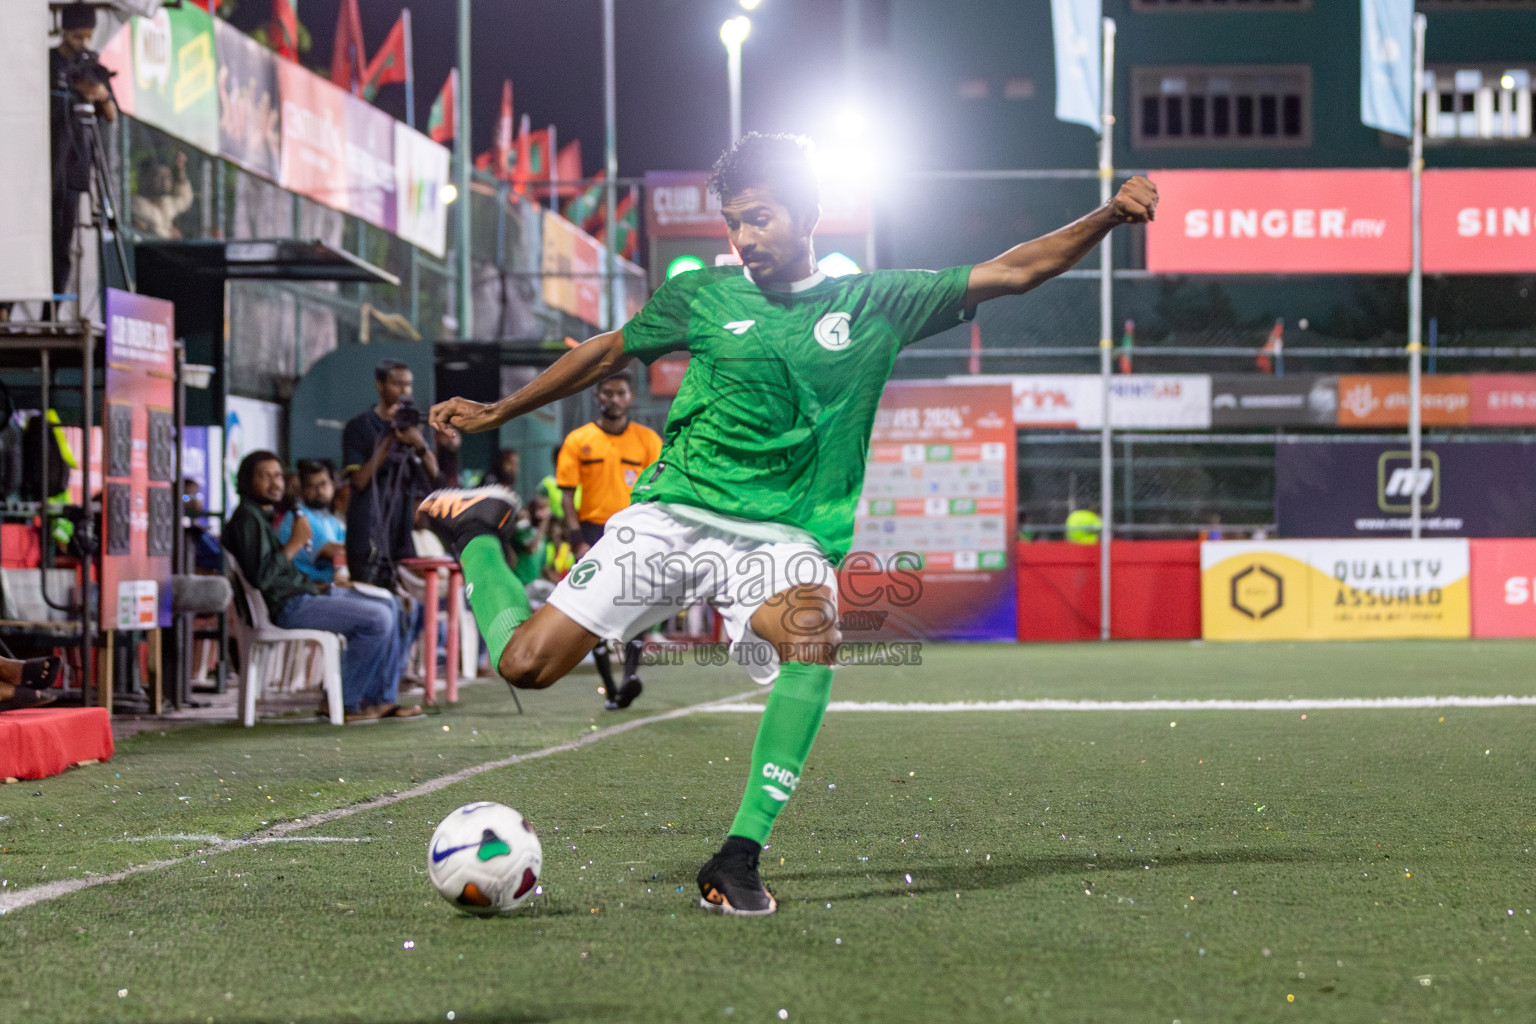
(495, 594)
(784, 739)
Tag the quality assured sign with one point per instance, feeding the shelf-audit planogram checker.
(1280, 222)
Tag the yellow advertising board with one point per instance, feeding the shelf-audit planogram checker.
(1335, 589)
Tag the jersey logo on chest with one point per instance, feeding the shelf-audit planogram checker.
(834, 331)
(740, 327)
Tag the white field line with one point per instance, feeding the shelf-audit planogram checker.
(1301, 704)
(16, 899)
(219, 842)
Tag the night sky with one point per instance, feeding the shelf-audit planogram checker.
(672, 101)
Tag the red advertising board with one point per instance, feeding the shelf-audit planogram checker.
(1503, 399)
(1280, 222)
(1381, 400)
(1503, 588)
(1480, 221)
(314, 127)
(141, 508)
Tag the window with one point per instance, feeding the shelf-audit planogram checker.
(1487, 103)
(1222, 5)
(1246, 106)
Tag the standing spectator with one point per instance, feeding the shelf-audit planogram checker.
(389, 465)
(161, 197)
(74, 77)
(376, 648)
(604, 459)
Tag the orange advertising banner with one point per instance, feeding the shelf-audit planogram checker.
(1381, 400)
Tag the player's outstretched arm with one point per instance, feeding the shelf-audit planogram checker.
(592, 361)
(1033, 263)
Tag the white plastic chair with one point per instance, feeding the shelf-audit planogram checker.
(262, 646)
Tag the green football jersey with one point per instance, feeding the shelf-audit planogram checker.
(772, 418)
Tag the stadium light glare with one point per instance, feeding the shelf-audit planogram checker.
(735, 31)
(750, 5)
(1507, 82)
(682, 265)
(448, 193)
(836, 264)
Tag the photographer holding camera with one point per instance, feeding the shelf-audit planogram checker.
(78, 93)
(390, 465)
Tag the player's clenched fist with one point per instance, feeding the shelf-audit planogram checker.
(1136, 202)
(461, 414)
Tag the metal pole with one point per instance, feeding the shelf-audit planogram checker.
(610, 165)
(1106, 311)
(90, 678)
(463, 151)
(1416, 282)
(410, 71)
(733, 73)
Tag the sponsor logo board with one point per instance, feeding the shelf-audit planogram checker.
(1381, 400)
(1334, 589)
(1503, 587)
(1254, 400)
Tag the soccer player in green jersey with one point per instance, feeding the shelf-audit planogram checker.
(751, 504)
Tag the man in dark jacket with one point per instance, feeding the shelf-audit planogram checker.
(376, 648)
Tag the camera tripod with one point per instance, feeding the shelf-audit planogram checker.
(89, 137)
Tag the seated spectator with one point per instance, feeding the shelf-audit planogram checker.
(161, 197)
(207, 556)
(376, 646)
(327, 545)
(504, 472)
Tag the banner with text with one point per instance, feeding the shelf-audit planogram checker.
(1503, 588)
(678, 204)
(1260, 400)
(174, 74)
(1075, 401)
(249, 107)
(1334, 589)
(1479, 221)
(1365, 489)
(934, 526)
(572, 267)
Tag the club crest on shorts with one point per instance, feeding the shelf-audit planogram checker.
(583, 573)
(834, 331)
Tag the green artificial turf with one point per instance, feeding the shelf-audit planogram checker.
(1064, 866)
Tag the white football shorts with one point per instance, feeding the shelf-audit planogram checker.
(649, 566)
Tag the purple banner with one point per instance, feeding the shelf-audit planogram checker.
(370, 164)
(249, 110)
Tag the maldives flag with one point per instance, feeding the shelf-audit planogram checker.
(588, 204)
(1275, 347)
(503, 155)
(626, 227)
(442, 120)
(348, 55)
(568, 170)
(284, 30)
(533, 158)
(392, 62)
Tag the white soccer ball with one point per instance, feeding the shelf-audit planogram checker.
(485, 858)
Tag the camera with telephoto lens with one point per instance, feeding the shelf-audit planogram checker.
(406, 415)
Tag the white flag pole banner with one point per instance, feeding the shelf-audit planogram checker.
(1386, 65)
(26, 270)
(1076, 25)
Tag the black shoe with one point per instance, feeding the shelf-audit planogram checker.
(458, 515)
(625, 696)
(729, 883)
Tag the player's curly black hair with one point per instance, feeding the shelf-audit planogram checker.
(781, 163)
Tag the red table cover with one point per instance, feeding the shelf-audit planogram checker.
(38, 742)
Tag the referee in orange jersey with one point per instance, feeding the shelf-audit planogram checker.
(604, 459)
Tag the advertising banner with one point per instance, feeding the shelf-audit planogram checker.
(1381, 400)
(1479, 221)
(174, 72)
(1503, 588)
(1074, 401)
(1364, 489)
(249, 107)
(934, 527)
(1334, 589)
(678, 204)
(1259, 400)
(572, 268)
(370, 163)
(1280, 222)
(141, 511)
(250, 425)
(314, 153)
(421, 171)
(1503, 400)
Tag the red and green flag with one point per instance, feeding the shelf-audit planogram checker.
(393, 61)
(442, 120)
(587, 205)
(626, 227)
(348, 55)
(1127, 346)
(283, 33)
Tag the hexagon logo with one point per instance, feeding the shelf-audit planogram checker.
(1258, 592)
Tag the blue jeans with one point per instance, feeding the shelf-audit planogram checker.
(376, 647)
